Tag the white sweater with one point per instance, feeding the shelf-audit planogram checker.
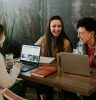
(7, 79)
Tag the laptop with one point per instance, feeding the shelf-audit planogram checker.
(30, 56)
(75, 63)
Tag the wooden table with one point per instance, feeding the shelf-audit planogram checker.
(65, 81)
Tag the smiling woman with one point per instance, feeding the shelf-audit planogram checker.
(56, 27)
(55, 39)
(87, 34)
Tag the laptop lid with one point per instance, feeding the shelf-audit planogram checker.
(30, 54)
(74, 63)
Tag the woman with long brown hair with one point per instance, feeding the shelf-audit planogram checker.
(55, 39)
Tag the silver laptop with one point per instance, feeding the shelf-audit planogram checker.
(74, 63)
(30, 56)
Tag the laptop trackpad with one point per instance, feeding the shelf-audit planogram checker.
(27, 67)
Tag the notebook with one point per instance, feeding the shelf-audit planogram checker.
(30, 56)
(74, 63)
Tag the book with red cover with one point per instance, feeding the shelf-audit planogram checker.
(44, 71)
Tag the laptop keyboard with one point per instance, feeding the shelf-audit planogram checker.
(27, 67)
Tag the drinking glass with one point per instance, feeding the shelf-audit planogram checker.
(9, 61)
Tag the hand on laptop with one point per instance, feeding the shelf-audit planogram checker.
(18, 64)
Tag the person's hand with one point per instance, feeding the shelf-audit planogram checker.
(18, 64)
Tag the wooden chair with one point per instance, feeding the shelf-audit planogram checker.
(8, 95)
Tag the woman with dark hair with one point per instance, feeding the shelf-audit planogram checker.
(55, 39)
(86, 28)
(87, 34)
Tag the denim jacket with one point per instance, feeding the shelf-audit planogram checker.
(81, 49)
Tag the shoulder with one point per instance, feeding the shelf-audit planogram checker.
(40, 40)
(0, 55)
(67, 46)
(66, 42)
(1, 58)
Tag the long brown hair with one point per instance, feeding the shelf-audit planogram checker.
(1, 31)
(59, 40)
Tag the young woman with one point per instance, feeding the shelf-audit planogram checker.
(87, 35)
(55, 39)
(7, 80)
(87, 45)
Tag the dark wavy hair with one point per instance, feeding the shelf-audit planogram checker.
(88, 23)
(59, 40)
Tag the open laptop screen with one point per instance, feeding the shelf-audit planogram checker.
(30, 53)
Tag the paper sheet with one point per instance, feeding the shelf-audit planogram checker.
(46, 59)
